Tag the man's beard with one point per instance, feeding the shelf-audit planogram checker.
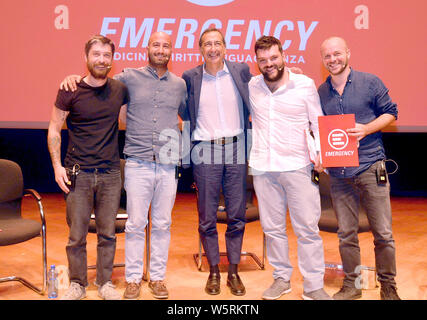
(343, 66)
(98, 74)
(280, 72)
(153, 61)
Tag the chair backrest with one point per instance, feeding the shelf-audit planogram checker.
(11, 181)
(11, 188)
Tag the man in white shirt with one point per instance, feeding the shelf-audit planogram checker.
(284, 106)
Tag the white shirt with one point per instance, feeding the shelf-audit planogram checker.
(220, 111)
(280, 120)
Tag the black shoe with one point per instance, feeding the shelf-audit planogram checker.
(236, 285)
(213, 284)
(388, 292)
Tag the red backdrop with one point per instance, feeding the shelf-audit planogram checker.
(42, 42)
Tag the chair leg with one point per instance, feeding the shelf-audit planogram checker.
(44, 254)
(363, 280)
(365, 273)
(333, 266)
(116, 265)
(25, 282)
(264, 249)
(199, 262)
(145, 275)
(198, 256)
(261, 264)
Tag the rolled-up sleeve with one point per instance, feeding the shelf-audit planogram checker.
(384, 103)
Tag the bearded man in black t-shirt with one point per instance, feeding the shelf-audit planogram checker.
(90, 177)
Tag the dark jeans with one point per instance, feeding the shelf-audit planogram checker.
(347, 194)
(99, 193)
(228, 173)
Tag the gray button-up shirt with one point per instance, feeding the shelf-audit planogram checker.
(152, 132)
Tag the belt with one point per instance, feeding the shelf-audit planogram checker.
(98, 170)
(224, 140)
(152, 158)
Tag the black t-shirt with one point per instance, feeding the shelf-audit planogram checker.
(93, 124)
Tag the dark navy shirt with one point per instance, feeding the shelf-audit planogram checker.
(366, 96)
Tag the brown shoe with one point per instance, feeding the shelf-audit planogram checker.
(213, 284)
(158, 289)
(236, 285)
(132, 291)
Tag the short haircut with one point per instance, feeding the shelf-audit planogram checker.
(210, 30)
(99, 38)
(266, 42)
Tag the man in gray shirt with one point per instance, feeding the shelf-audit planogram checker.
(152, 154)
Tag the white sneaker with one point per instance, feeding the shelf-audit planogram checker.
(75, 292)
(107, 292)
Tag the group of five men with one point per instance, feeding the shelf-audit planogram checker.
(220, 100)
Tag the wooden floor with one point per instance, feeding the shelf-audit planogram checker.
(183, 279)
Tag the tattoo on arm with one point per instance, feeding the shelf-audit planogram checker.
(54, 145)
(63, 115)
(54, 135)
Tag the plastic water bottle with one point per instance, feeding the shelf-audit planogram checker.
(52, 283)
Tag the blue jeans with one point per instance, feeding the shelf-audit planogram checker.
(347, 194)
(99, 193)
(148, 183)
(276, 192)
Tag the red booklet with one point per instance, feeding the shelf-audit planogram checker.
(337, 149)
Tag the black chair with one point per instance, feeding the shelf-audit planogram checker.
(121, 224)
(328, 220)
(13, 228)
(252, 214)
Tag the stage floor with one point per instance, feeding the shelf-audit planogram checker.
(183, 279)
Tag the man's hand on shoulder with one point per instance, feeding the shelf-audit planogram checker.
(296, 70)
(70, 83)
